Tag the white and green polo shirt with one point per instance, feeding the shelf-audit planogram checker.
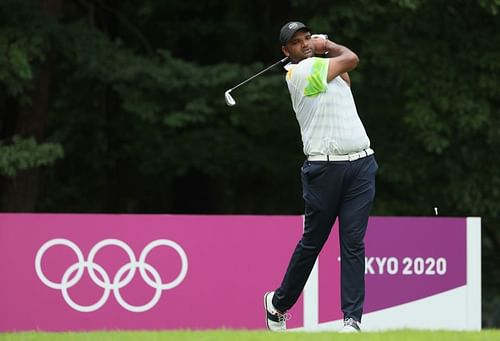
(326, 112)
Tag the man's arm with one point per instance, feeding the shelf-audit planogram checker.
(342, 60)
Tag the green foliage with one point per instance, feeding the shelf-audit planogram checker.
(490, 5)
(15, 69)
(24, 154)
(23, 42)
(409, 4)
(428, 74)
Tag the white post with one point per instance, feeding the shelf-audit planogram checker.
(311, 299)
(473, 317)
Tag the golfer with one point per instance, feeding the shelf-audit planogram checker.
(338, 175)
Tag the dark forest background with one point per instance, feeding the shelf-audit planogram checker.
(118, 107)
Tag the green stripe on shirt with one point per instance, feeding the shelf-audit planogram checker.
(316, 81)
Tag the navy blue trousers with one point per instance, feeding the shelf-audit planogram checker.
(346, 190)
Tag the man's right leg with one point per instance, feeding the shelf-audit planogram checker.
(317, 227)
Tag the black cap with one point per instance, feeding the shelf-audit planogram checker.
(289, 29)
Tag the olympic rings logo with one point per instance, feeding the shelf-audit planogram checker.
(119, 280)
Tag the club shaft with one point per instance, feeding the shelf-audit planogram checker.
(258, 74)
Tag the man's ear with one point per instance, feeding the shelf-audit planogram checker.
(285, 51)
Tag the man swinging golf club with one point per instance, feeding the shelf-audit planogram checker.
(338, 175)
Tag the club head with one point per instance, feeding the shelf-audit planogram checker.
(229, 99)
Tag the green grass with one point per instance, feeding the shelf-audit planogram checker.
(229, 335)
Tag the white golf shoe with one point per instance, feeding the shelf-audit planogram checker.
(275, 320)
(350, 326)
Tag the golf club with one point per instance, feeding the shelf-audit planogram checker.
(230, 100)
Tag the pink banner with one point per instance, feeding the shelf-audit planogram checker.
(87, 272)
